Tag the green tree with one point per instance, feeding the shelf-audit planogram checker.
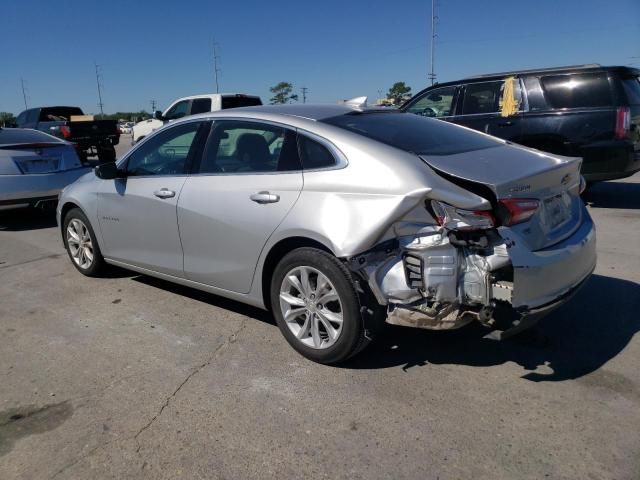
(399, 92)
(7, 119)
(282, 93)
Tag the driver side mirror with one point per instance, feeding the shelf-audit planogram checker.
(109, 171)
(158, 115)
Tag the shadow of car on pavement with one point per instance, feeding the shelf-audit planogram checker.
(573, 341)
(623, 195)
(22, 219)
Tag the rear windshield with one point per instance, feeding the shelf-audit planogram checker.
(58, 114)
(632, 90)
(235, 102)
(576, 91)
(10, 136)
(413, 133)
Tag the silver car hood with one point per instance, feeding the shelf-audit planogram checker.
(511, 171)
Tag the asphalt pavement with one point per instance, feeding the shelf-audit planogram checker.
(133, 377)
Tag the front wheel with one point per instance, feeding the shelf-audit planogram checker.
(316, 306)
(81, 244)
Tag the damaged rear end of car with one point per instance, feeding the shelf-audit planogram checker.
(505, 262)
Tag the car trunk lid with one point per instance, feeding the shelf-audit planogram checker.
(517, 172)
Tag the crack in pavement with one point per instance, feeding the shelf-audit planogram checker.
(230, 339)
(79, 459)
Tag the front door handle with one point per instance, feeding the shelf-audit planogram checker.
(164, 193)
(508, 123)
(265, 197)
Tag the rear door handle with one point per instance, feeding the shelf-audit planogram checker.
(164, 193)
(264, 197)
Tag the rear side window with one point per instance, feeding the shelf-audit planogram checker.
(413, 133)
(481, 98)
(632, 90)
(314, 155)
(200, 105)
(58, 114)
(240, 101)
(576, 91)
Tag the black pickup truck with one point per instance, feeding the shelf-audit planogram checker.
(91, 137)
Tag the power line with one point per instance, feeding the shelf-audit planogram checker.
(304, 94)
(24, 94)
(100, 104)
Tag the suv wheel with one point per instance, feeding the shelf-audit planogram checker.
(316, 306)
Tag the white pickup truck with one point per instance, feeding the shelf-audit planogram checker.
(182, 107)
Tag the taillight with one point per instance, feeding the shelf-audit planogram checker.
(623, 122)
(459, 219)
(517, 210)
(65, 131)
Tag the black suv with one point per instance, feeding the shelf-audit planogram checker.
(586, 111)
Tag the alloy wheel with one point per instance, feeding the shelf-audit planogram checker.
(79, 242)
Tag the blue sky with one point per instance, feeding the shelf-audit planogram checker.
(338, 49)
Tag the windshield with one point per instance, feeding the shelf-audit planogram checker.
(424, 136)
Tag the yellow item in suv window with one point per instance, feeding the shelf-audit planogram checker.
(509, 104)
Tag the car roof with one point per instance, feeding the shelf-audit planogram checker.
(308, 111)
(591, 67)
(215, 95)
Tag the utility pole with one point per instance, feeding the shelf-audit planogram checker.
(215, 65)
(99, 90)
(153, 106)
(432, 74)
(24, 95)
(304, 94)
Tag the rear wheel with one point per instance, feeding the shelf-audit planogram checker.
(80, 242)
(316, 306)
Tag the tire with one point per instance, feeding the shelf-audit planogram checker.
(106, 154)
(92, 267)
(307, 331)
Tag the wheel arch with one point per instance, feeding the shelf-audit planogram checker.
(276, 253)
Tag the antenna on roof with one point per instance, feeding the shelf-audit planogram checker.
(357, 102)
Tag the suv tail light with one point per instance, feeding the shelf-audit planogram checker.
(623, 122)
(65, 131)
(517, 210)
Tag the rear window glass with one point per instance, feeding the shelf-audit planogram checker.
(58, 114)
(235, 102)
(9, 136)
(314, 155)
(414, 133)
(575, 91)
(200, 105)
(632, 90)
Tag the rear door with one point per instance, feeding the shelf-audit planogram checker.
(249, 178)
(137, 214)
(493, 107)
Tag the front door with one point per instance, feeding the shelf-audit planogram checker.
(249, 178)
(137, 213)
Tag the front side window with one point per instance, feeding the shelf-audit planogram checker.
(436, 103)
(250, 147)
(179, 110)
(577, 90)
(482, 98)
(200, 105)
(165, 153)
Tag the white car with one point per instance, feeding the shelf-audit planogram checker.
(183, 107)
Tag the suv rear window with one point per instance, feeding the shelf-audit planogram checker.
(413, 133)
(235, 102)
(632, 90)
(579, 90)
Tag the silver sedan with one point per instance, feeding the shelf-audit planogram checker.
(34, 168)
(339, 218)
